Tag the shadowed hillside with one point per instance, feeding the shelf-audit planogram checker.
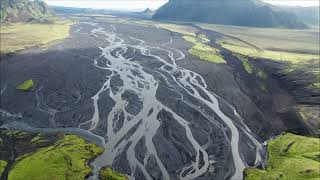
(309, 15)
(233, 12)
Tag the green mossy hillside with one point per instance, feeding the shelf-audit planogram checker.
(3, 165)
(291, 157)
(66, 159)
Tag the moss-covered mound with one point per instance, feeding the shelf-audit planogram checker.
(109, 174)
(290, 157)
(66, 159)
(53, 156)
(203, 51)
(26, 85)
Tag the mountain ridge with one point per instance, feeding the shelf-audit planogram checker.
(253, 13)
(13, 11)
(310, 15)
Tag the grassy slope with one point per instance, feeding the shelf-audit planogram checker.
(185, 30)
(3, 165)
(296, 50)
(273, 55)
(290, 157)
(247, 66)
(109, 174)
(23, 35)
(66, 159)
(204, 51)
(268, 38)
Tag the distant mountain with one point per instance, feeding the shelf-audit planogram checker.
(96, 12)
(147, 11)
(309, 15)
(232, 12)
(75, 10)
(24, 11)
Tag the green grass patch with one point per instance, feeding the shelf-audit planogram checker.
(26, 85)
(204, 51)
(290, 157)
(272, 55)
(191, 39)
(204, 38)
(262, 75)
(246, 64)
(38, 140)
(66, 159)
(109, 174)
(3, 165)
(315, 85)
(23, 35)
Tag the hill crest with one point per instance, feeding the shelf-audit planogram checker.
(253, 13)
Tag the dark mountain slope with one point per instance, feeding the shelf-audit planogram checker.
(309, 15)
(233, 12)
(24, 11)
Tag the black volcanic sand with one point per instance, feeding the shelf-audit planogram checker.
(66, 80)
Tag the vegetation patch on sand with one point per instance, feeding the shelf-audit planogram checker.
(26, 85)
(19, 36)
(66, 159)
(246, 64)
(203, 51)
(109, 174)
(290, 157)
